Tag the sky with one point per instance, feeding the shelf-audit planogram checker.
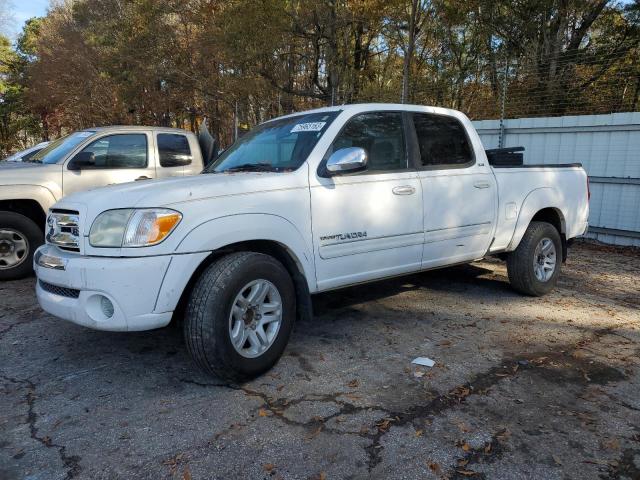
(22, 10)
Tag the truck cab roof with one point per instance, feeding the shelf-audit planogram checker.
(137, 128)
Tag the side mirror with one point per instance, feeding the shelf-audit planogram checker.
(347, 160)
(82, 160)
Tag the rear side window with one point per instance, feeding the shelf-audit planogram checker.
(381, 135)
(442, 141)
(174, 150)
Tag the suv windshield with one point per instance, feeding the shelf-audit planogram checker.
(276, 146)
(58, 149)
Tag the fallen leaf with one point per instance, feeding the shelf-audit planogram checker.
(466, 447)
(556, 459)
(267, 467)
(263, 413)
(419, 433)
(383, 425)
(467, 473)
(487, 448)
(444, 343)
(314, 434)
(186, 473)
(611, 444)
(435, 468)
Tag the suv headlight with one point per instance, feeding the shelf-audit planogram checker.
(133, 227)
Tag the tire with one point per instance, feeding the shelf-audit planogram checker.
(19, 238)
(208, 318)
(520, 262)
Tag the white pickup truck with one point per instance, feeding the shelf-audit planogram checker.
(302, 204)
(81, 161)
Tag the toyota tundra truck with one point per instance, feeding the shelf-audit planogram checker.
(303, 204)
(80, 161)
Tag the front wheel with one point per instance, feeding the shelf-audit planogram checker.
(240, 315)
(534, 266)
(19, 238)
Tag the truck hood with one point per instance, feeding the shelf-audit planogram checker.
(176, 192)
(26, 173)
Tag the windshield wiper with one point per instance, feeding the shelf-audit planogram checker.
(252, 167)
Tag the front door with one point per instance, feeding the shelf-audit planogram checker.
(110, 159)
(459, 193)
(368, 225)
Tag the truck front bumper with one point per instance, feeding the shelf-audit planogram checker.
(107, 293)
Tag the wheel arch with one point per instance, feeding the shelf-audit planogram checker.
(28, 207)
(273, 248)
(541, 205)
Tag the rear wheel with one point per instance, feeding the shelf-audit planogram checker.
(19, 238)
(240, 315)
(534, 266)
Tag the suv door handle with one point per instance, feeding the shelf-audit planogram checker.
(142, 177)
(481, 185)
(404, 190)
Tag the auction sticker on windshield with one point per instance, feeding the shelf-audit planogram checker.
(308, 127)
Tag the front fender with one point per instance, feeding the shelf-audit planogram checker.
(40, 194)
(222, 231)
(536, 200)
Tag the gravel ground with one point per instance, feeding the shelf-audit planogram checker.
(523, 388)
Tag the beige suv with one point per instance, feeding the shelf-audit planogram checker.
(80, 161)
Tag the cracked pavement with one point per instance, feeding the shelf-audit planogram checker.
(522, 388)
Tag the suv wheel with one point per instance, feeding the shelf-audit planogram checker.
(240, 315)
(534, 266)
(19, 238)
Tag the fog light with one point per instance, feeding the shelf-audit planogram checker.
(106, 306)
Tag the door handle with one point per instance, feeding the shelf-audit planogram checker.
(404, 190)
(481, 185)
(142, 177)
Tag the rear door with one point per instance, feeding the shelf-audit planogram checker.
(459, 194)
(110, 159)
(175, 154)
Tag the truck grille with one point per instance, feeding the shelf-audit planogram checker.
(61, 291)
(63, 229)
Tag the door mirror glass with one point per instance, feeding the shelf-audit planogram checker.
(82, 160)
(347, 160)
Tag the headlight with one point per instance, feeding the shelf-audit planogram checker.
(133, 227)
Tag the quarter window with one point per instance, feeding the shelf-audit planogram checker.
(174, 150)
(381, 135)
(442, 141)
(115, 151)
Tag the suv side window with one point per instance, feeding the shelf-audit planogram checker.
(442, 141)
(381, 135)
(174, 150)
(116, 151)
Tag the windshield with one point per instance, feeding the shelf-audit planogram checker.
(58, 149)
(277, 146)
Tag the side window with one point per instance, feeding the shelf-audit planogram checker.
(174, 150)
(381, 135)
(442, 140)
(115, 151)
(27, 157)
